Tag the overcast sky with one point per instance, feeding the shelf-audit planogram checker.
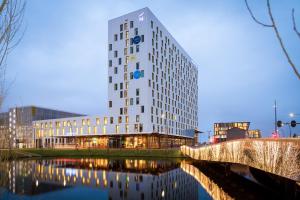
(61, 62)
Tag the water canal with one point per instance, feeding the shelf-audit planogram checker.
(102, 178)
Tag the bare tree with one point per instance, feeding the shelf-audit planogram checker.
(273, 25)
(11, 18)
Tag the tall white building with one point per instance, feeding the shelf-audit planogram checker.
(153, 83)
(152, 92)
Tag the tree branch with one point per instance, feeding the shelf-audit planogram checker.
(294, 23)
(254, 18)
(281, 42)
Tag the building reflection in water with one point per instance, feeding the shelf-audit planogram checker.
(122, 179)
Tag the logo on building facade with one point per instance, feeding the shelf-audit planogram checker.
(138, 74)
(136, 39)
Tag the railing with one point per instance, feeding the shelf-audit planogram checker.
(277, 156)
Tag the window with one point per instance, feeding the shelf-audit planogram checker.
(131, 24)
(105, 120)
(120, 119)
(121, 94)
(137, 92)
(116, 86)
(121, 86)
(151, 24)
(110, 104)
(142, 109)
(131, 41)
(137, 101)
(142, 73)
(136, 31)
(125, 26)
(121, 27)
(137, 65)
(131, 50)
(131, 75)
(111, 120)
(137, 48)
(110, 47)
(115, 70)
(142, 38)
(121, 36)
(116, 37)
(97, 121)
(120, 61)
(137, 118)
(110, 79)
(110, 63)
(131, 101)
(115, 54)
(125, 51)
(121, 111)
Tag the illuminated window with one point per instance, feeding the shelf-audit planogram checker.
(95, 129)
(97, 121)
(74, 123)
(127, 128)
(105, 120)
(104, 129)
(89, 130)
(81, 130)
(117, 128)
(127, 119)
(120, 119)
(88, 122)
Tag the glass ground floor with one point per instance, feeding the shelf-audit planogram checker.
(142, 141)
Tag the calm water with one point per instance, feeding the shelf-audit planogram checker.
(121, 179)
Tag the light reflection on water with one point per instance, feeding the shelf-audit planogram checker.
(101, 178)
(70, 178)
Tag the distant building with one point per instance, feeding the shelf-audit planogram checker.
(221, 129)
(254, 133)
(234, 130)
(236, 133)
(16, 128)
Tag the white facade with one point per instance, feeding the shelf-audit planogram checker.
(152, 84)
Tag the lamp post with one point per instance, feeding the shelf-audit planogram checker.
(292, 115)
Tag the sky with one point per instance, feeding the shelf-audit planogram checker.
(61, 62)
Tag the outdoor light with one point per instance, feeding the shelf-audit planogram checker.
(292, 115)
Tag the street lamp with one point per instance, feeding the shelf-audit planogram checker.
(292, 115)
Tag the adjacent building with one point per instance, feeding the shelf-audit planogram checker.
(234, 130)
(16, 125)
(152, 93)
